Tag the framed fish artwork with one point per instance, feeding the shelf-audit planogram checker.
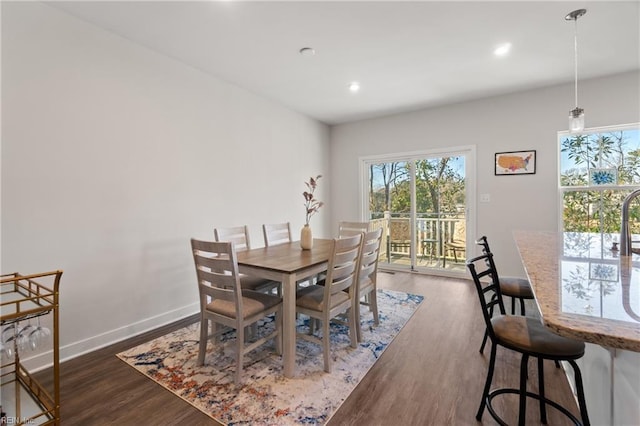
(515, 163)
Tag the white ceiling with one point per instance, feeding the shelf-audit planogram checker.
(406, 55)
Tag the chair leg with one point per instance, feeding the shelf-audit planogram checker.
(312, 325)
(239, 350)
(487, 384)
(354, 324)
(523, 390)
(326, 343)
(278, 319)
(543, 405)
(251, 331)
(580, 390)
(204, 336)
(373, 306)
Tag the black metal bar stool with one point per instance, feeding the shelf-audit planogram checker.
(528, 337)
(513, 287)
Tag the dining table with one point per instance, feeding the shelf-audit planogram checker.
(288, 264)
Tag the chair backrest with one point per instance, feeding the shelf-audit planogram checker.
(217, 272)
(347, 229)
(344, 267)
(482, 241)
(276, 233)
(369, 254)
(238, 235)
(488, 293)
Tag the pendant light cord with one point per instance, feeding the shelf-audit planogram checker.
(575, 57)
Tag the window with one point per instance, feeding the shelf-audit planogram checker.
(598, 169)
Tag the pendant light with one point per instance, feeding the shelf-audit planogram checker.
(576, 115)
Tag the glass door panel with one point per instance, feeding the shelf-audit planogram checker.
(441, 212)
(421, 205)
(389, 208)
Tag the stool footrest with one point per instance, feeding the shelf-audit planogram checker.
(547, 401)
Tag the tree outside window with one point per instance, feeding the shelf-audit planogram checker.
(597, 171)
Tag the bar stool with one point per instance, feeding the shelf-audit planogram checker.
(528, 337)
(513, 287)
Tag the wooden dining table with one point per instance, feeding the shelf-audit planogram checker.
(287, 263)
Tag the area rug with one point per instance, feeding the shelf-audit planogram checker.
(266, 397)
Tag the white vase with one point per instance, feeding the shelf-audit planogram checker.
(306, 239)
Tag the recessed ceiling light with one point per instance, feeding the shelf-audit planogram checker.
(502, 49)
(307, 51)
(354, 86)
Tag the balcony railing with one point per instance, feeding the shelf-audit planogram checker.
(434, 235)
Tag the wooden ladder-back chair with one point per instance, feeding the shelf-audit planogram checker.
(336, 296)
(526, 336)
(347, 229)
(224, 302)
(276, 233)
(239, 236)
(368, 279)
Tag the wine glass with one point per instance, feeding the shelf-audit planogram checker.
(22, 338)
(38, 334)
(8, 337)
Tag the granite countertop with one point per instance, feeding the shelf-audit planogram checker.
(582, 287)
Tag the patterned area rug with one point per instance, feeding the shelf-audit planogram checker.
(266, 397)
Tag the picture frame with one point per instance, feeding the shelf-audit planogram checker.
(515, 163)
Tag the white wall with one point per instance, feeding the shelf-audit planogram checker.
(520, 121)
(114, 156)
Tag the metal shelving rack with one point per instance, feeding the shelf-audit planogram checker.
(24, 297)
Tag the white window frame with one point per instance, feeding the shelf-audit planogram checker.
(468, 151)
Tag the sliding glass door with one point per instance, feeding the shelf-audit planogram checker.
(421, 201)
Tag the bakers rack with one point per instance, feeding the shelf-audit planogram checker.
(23, 298)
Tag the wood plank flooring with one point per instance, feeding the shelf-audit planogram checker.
(431, 374)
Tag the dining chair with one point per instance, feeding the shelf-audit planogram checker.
(239, 236)
(455, 247)
(527, 336)
(336, 295)
(513, 287)
(347, 229)
(368, 278)
(224, 302)
(276, 233)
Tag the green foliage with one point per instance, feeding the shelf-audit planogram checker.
(439, 187)
(593, 208)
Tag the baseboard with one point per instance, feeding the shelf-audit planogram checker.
(45, 359)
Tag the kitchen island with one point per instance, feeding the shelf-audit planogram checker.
(583, 289)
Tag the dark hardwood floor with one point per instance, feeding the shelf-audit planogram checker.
(431, 374)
